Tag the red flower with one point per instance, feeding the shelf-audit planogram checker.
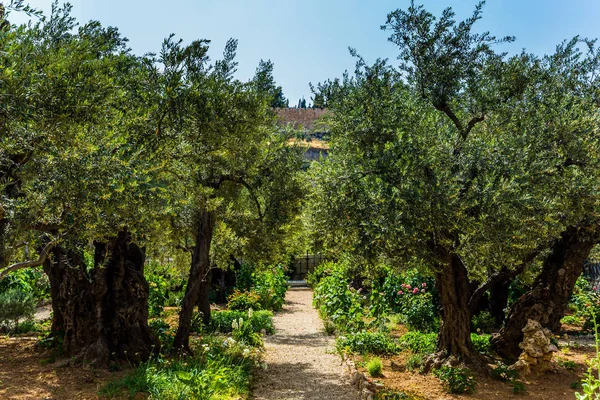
(416, 290)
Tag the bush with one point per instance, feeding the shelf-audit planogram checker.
(339, 302)
(321, 271)
(221, 321)
(16, 305)
(457, 380)
(409, 294)
(271, 285)
(481, 343)
(366, 343)
(418, 342)
(244, 301)
(157, 295)
(387, 394)
(243, 332)
(28, 280)
(414, 362)
(219, 370)
(483, 322)
(374, 367)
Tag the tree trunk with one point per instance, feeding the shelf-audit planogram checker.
(103, 314)
(498, 300)
(454, 340)
(547, 301)
(196, 281)
(203, 302)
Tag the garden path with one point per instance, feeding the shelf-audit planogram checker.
(299, 357)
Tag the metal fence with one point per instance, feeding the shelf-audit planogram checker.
(303, 265)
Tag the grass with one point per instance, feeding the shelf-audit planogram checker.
(220, 370)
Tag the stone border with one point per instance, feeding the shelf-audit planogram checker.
(367, 388)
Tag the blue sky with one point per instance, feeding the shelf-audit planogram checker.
(308, 40)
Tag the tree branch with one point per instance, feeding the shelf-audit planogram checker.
(445, 108)
(242, 182)
(28, 264)
(499, 277)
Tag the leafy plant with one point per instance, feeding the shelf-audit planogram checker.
(339, 302)
(483, 322)
(414, 362)
(590, 385)
(457, 380)
(243, 332)
(418, 342)
(222, 321)
(16, 305)
(387, 394)
(366, 343)
(374, 367)
(244, 301)
(481, 343)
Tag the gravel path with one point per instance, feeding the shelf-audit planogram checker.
(299, 357)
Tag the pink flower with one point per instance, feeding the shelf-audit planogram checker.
(359, 290)
(401, 292)
(416, 290)
(423, 284)
(594, 288)
(422, 290)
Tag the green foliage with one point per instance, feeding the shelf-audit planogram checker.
(157, 296)
(322, 270)
(366, 343)
(32, 280)
(244, 301)
(408, 294)
(244, 332)
(590, 384)
(164, 333)
(483, 322)
(388, 394)
(271, 285)
(481, 343)
(16, 305)
(456, 380)
(374, 367)
(221, 321)
(503, 373)
(219, 370)
(339, 302)
(414, 362)
(418, 342)
(572, 320)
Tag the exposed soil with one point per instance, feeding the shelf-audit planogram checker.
(300, 362)
(26, 374)
(550, 386)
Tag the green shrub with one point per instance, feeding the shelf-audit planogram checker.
(415, 362)
(339, 302)
(387, 394)
(502, 372)
(418, 342)
(457, 380)
(366, 343)
(481, 343)
(157, 296)
(321, 271)
(271, 285)
(28, 280)
(408, 293)
(244, 301)
(572, 320)
(483, 322)
(221, 321)
(219, 370)
(374, 367)
(243, 332)
(16, 305)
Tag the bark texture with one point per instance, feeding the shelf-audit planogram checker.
(197, 281)
(102, 314)
(547, 301)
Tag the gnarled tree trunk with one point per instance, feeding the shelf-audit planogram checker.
(102, 314)
(197, 281)
(452, 282)
(547, 301)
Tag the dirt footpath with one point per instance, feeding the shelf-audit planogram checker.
(299, 357)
